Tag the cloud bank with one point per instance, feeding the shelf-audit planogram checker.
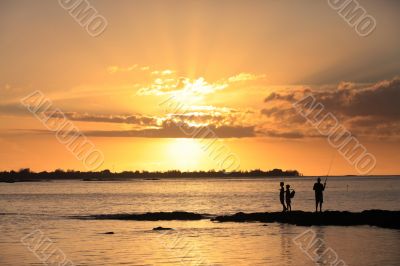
(368, 110)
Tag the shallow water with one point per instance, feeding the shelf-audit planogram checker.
(46, 206)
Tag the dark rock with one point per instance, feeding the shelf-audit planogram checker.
(151, 216)
(162, 229)
(380, 218)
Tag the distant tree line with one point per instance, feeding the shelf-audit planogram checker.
(25, 175)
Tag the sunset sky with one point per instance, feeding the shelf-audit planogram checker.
(235, 65)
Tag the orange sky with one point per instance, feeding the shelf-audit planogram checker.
(235, 66)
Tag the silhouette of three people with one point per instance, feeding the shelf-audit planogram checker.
(286, 196)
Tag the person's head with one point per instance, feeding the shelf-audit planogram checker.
(287, 186)
(319, 180)
(282, 184)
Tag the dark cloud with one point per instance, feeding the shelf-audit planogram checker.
(141, 120)
(180, 130)
(277, 96)
(218, 123)
(365, 109)
(167, 130)
(217, 118)
(283, 134)
(383, 100)
(13, 109)
(123, 119)
(199, 118)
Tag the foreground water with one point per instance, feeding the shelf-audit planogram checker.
(47, 206)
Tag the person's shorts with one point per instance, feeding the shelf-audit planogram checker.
(319, 199)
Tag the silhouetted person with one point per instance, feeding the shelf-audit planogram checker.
(288, 198)
(282, 196)
(319, 195)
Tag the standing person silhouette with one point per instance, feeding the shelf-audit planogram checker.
(282, 196)
(319, 196)
(288, 198)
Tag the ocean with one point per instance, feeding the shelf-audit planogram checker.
(49, 210)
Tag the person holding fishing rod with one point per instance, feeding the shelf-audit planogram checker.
(319, 195)
(319, 188)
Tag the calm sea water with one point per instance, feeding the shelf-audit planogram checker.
(47, 206)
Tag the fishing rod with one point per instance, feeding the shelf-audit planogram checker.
(331, 163)
(330, 167)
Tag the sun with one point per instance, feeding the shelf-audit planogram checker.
(184, 154)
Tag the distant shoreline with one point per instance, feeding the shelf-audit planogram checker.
(25, 175)
(97, 178)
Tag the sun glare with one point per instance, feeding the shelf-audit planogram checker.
(193, 91)
(184, 154)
